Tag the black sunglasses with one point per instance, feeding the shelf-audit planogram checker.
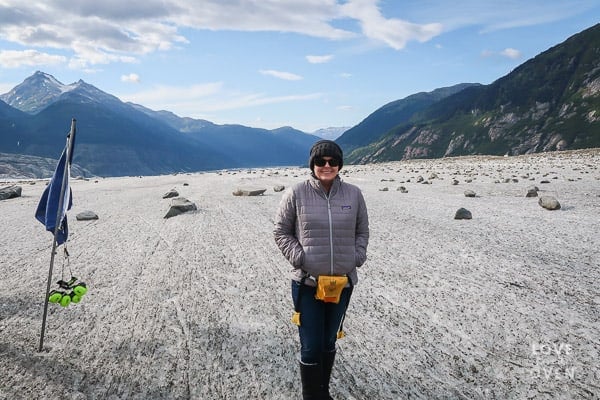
(320, 162)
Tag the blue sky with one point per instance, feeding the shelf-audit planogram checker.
(309, 64)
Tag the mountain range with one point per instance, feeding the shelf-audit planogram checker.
(118, 139)
(550, 102)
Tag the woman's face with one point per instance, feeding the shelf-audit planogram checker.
(326, 173)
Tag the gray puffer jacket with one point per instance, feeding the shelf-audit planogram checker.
(321, 234)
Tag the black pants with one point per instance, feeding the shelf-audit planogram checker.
(319, 321)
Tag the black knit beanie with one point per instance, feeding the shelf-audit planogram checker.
(325, 148)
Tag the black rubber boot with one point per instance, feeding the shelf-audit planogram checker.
(310, 375)
(327, 360)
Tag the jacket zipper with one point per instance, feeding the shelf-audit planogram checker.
(330, 233)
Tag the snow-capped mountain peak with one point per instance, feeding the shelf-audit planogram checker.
(35, 92)
(41, 89)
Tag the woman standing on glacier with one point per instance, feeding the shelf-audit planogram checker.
(322, 228)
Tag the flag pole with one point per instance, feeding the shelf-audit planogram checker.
(70, 142)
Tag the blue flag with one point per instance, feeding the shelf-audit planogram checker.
(47, 210)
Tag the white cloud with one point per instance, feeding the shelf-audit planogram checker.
(345, 75)
(508, 52)
(307, 17)
(6, 87)
(132, 78)
(288, 76)
(15, 58)
(253, 100)
(95, 32)
(511, 53)
(494, 15)
(162, 96)
(86, 54)
(101, 32)
(393, 32)
(200, 100)
(319, 59)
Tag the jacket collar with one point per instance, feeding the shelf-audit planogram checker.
(316, 184)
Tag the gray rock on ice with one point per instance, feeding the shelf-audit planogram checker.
(86, 216)
(463, 213)
(549, 203)
(170, 194)
(532, 191)
(180, 205)
(249, 192)
(10, 192)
